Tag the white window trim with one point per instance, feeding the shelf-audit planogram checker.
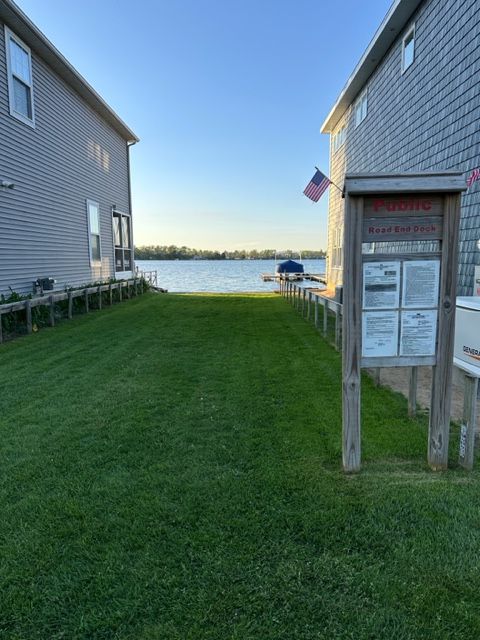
(339, 138)
(410, 31)
(358, 103)
(92, 261)
(9, 35)
(125, 215)
(337, 249)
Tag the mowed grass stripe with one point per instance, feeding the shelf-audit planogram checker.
(170, 468)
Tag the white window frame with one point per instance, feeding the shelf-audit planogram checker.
(410, 34)
(9, 35)
(337, 257)
(339, 138)
(361, 108)
(94, 261)
(122, 248)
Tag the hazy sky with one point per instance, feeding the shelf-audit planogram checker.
(227, 98)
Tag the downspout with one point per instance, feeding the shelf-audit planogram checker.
(130, 144)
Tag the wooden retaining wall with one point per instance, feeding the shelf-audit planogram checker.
(49, 300)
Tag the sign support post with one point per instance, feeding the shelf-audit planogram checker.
(399, 291)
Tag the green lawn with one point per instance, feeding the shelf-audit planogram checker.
(171, 469)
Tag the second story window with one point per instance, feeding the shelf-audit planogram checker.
(408, 49)
(20, 86)
(339, 138)
(361, 107)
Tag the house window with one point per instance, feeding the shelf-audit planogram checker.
(122, 239)
(337, 258)
(20, 86)
(339, 139)
(361, 107)
(408, 49)
(93, 215)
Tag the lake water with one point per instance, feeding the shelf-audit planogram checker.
(221, 276)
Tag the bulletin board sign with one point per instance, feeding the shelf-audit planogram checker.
(400, 267)
(400, 311)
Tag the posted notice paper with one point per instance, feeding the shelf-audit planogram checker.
(381, 285)
(418, 333)
(421, 280)
(379, 334)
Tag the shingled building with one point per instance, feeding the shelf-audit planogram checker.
(412, 104)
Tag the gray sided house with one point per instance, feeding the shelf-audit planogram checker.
(412, 104)
(65, 209)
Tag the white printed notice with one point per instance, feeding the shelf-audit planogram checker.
(421, 280)
(379, 334)
(418, 333)
(381, 285)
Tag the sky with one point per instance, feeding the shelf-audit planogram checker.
(227, 98)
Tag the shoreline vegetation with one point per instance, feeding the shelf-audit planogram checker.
(172, 252)
(171, 468)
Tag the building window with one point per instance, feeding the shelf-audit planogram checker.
(20, 86)
(122, 239)
(408, 49)
(337, 258)
(93, 216)
(361, 107)
(339, 139)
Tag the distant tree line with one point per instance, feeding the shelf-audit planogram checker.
(172, 252)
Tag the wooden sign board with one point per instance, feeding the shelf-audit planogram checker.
(399, 303)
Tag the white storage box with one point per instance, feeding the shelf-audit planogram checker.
(467, 335)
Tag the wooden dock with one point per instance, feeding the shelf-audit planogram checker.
(294, 277)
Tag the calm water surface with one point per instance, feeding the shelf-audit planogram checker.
(222, 276)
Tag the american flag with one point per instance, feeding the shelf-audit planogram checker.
(475, 175)
(317, 186)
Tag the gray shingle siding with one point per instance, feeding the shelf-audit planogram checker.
(426, 119)
(70, 156)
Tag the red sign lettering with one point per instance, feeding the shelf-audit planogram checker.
(405, 204)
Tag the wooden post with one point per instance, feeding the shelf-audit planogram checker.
(439, 426)
(309, 303)
(316, 312)
(110, 293)
(352, 313)
(99, 297)
(337, 329)
(1, 329)
(135, 285)
(119, 291)
(325, 317)
(376, 376)
(28, 315)
(52, 311)
(85, 295)
(304, 302)
(412, 392)
(70, 305)
(469, 423)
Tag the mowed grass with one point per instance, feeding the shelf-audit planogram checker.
(171, 469)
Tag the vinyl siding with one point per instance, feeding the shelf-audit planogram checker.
(426, 119)
(70, 156)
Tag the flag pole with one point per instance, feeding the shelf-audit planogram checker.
(335, 185)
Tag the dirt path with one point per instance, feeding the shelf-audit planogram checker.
(397, 379)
